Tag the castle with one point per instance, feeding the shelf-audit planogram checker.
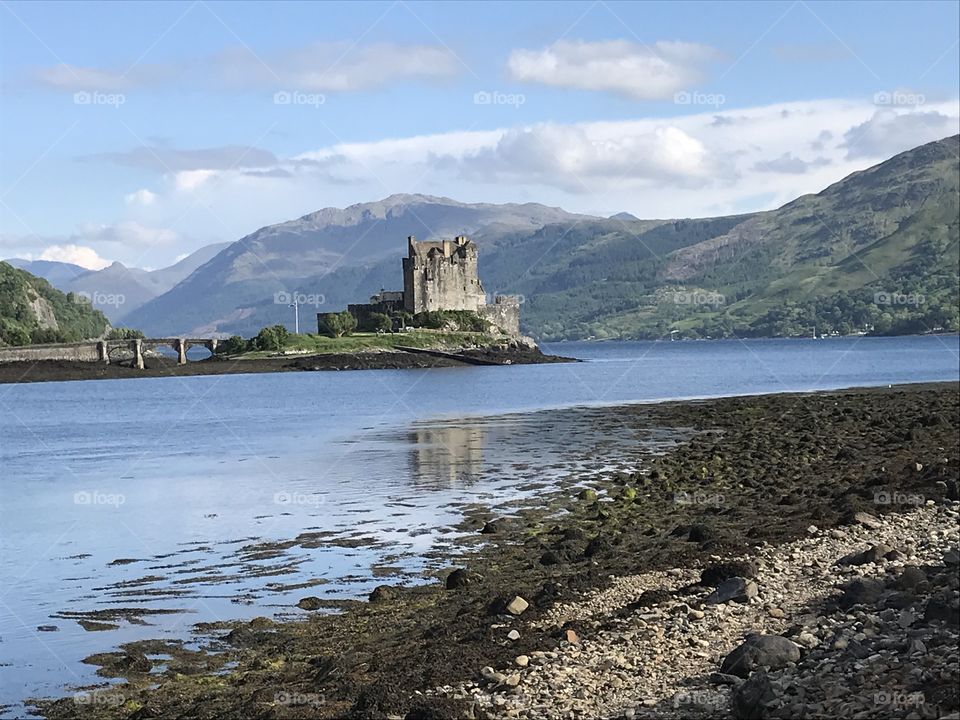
(441, 275)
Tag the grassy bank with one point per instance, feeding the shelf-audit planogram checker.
(312, 344)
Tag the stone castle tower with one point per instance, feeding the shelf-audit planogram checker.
(441, 276)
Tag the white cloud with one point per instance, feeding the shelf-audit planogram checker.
(128, 233)
(140, 197)
(641, 72)
(708, 164)
(890, 131)
(164, 159)
(574, 158)
(189, 180)
(789, 163)
(336, 67)
(85, 257)
(129, 241)
(329, 67)
(73, 77)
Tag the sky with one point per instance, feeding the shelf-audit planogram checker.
(140, 132)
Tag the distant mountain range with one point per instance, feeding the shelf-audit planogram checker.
(117, 290)
(876, 252)
(234, 292)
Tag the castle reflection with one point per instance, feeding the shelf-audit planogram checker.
(444, 457)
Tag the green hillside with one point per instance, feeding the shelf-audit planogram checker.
(32, 311)
(876, 252)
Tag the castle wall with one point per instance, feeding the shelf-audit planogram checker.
(362, 311)
(504, 312)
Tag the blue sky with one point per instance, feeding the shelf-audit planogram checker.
(140, 132)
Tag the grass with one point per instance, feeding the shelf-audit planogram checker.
(373, 342)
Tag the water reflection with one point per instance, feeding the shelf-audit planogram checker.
(446, 457)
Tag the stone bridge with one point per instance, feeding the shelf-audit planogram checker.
(179, 345)
(101, 350)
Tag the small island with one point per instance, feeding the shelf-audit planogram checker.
(440, 319)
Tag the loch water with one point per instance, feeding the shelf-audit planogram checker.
(148, 493)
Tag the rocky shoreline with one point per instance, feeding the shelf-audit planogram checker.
(773, 641)
(637, 593)
(158, 366)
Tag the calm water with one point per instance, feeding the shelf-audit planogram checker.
(175, 476)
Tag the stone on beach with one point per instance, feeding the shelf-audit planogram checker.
(457, 579)
(760, 651)
(737, 589)
(517, 605)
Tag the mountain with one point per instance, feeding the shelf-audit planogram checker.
(890, 230)
(112, 290)
(53, 272)
(235, 291)
(118, 290)
(876, 252)
(162, 280)
(33, 311)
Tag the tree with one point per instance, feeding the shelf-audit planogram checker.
(232, 346)
(12, 333)
(45, 335)
(122, 333)
(338, 324)
(379, 322)
(273, 338)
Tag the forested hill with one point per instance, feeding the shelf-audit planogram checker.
(33, 311)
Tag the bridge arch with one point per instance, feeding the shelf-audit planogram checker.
(178, 345)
